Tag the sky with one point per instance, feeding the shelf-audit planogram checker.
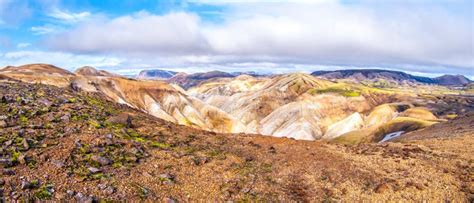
(423, 37)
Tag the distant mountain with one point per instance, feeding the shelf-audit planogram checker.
(296, 105)
(452, 80)
(37, 68)
(186, 81)
(39, 73)
(156, 74)
(251, 73)
(373, 74)
(91, 71)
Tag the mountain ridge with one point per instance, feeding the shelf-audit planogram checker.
(246, 104)
(156, 74)
(390, 75)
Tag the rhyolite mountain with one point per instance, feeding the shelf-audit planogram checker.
(156, 74)
(189, 80)
(296, 105)
(91, 71)
(304, 107)
(79, 143)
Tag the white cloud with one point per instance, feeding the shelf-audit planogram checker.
(45, 29)
(67, 16)
(325, 33)
(23, 45)
(139, 33)
(64, 60)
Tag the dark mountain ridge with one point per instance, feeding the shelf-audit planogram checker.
(396, 76)
(156, 74)
(450, 80)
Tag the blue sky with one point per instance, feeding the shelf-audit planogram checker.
(424, 37)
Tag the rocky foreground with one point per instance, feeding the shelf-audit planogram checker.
(64, 145)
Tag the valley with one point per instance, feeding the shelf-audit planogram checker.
(93, 135)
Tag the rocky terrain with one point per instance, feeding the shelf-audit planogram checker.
(57, 143)
(296, 105)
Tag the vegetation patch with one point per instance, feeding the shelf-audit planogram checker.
(340, 90)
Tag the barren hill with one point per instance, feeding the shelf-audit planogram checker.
(90, 71)
(60, 144)
(297, 105)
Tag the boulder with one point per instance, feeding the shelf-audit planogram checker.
(121, 119)
(103, 161)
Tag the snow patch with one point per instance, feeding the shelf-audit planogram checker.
(391, 136)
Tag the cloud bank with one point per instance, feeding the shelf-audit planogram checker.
(422, 36)
(330, 33)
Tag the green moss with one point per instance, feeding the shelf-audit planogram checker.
(246, 168)
(23, 119)
(132, 133)
(139, 139)
(188, 150)
(159, 145)
(93, 101)
(115, 126)
(97, 176)
(34, 182)
(18, 140)
(32, 164)
(15, 156)
(94, 123)
(79, 117)
(3, 139)
(43, 193)
(48, 126)
(72, 100)
(347, 92)
(350, 94)
(84, 149)
(216, 154)
(117, 165)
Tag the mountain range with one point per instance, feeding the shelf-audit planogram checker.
(96, 136)
(296, 105)
(397, 77)
(156, 74)
(383, 77)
